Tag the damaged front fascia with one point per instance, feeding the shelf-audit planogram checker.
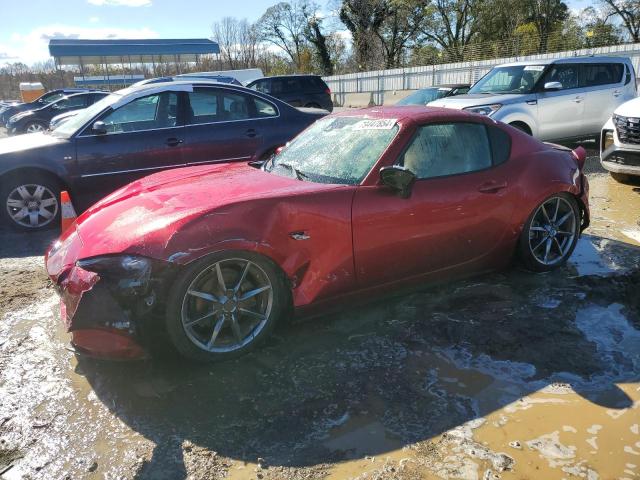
(108, 300)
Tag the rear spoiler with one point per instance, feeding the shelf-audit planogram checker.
(579, 154)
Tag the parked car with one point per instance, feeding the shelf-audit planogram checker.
(297, 90)
(63, 117)
(620, 141)
(133, 132)
(31, 121)
(430, 94)
(220, 254)
(554, 99)
(7, 112)
(191, 77)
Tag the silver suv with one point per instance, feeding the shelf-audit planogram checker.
(556, 99)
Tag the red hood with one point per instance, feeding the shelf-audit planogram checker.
(141, 217)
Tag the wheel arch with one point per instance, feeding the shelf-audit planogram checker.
(31, 170)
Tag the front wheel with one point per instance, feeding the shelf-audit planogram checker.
(30, 201)
(34, 127)
(551, 233)
(224, 305)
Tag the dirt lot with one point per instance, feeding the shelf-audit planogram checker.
(511, 375)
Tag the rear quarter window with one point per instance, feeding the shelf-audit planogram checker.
(602, 74)
(500, 142)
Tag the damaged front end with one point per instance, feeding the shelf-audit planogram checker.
(106, 301)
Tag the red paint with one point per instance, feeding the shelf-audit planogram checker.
(106, 344)
(363, 239)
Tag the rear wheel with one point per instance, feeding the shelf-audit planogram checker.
(551, 233)
(225, 305)
(312, 105)
(30, 201)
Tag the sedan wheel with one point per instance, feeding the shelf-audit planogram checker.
(225, 305)
(551, 233)
(35, 127)
(32, 206)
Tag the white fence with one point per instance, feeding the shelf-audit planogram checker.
(377, 82)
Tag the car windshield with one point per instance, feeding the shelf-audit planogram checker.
(76, 122)
(339, 150)
(422, 97)
(513, 79)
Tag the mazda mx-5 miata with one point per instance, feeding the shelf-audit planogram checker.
(359, 203)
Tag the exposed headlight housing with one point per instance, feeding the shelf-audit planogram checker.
(129, 271)
(487, 110)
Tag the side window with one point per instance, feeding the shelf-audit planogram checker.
(627, 77)
(264, 109)
(448, 149)
(500, 144)
(602, 74)
(71, 102)
(210, 105)
(145, 113)
(262, 86)
(566, 74)
(203, 106)
(276, 86)
(234, 106)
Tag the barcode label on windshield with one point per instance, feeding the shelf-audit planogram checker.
(379, 124)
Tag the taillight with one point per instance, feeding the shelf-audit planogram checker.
(328, 91)
(580, 154)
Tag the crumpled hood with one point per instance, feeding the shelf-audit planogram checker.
(29, 141)
(475, 100)
(141, 217)
(629, 109)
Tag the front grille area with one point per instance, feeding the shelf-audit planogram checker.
(628, 129)
(621, 157)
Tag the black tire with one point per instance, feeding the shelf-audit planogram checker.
(522, 127)
(29, 125)
(10, 194)
(530, 239)
(185, 339)
(312, 105)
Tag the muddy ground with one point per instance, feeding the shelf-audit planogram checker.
(510, 375)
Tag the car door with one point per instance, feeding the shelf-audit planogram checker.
(561, 111)
(458, 211)
(288, 90)
(142, 136)
(220, 126)
(603, 84)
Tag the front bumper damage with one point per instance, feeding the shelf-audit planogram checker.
(108, 310)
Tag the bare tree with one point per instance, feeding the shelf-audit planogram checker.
(284, 26)
(226, 33)
(364, 19)
(451, 24)
(629, 13)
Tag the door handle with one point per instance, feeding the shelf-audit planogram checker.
(251, 132)
(173, 142)
(492, 187)
(617, 93)
(578, 99)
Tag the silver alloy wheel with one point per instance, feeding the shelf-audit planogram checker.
(227, 305)
(32, 205)
(35, 127)
(552, 231)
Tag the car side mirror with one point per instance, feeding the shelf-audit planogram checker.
(99, 128)
(553, 86)
(398, 178)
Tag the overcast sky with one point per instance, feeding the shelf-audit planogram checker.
(28, 25)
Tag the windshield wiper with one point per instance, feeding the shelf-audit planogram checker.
(299, 175)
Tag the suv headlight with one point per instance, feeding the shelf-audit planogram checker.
(487, 110)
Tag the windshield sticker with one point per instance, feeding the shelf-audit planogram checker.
(378, 124)
(535, 68)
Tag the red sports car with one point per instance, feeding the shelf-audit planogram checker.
(358, 204)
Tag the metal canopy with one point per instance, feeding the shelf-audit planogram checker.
(98, 52)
